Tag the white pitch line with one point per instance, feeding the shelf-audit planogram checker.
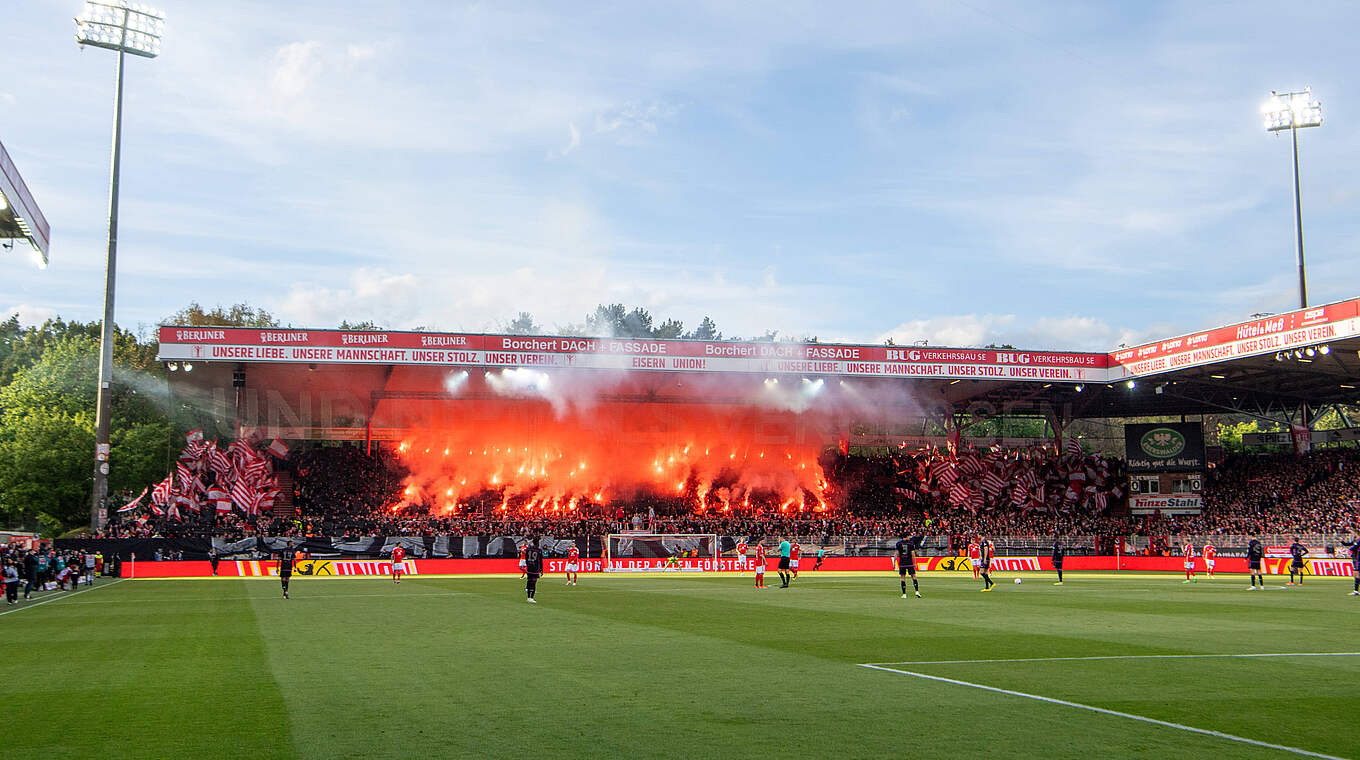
(1122, 657)
(59, 598)
(1115, 713)
(270, 596)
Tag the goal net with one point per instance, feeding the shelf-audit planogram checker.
(660, 552)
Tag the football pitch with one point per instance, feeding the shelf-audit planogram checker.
(684, 666)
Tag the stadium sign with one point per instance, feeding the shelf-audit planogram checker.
(1281, 332)
(1185, 504)
(1164, 447)
(565, 352)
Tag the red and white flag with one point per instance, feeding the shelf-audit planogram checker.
(194, 436)
(160, 494)
(218, 461)
(245, 497)
(278, 448)
(131, 505)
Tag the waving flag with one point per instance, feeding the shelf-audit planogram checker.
(160, 495)
(131, 505)
(278, 448)
(218, 462)
(194, 436)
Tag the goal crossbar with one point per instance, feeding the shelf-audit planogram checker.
(661, 552)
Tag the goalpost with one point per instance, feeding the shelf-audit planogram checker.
(661, 552)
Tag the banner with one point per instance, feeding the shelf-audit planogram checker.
(1280, 332)
(883, 565)
(533, 352)
(1184, 504)
(1164, 447)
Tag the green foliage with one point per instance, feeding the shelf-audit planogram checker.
(707, 330)
(236, 315)
(47, 414)
(523, 324)
(1230, 434)
(367, 324)
(671, 328)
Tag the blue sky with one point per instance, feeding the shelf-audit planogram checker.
(1054, 175)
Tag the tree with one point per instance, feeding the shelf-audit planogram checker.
(671, 328)
(523, 324)
(606, 320)
(1230, 434)
(367, 324)
(47, 429)
(236, 315)
(707, 330)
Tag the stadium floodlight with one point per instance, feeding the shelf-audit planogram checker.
(1294, 111)
(124, 28)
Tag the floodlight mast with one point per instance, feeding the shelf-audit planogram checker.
(1294, 111)
(125, 28)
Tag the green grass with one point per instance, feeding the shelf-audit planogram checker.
(675, 667)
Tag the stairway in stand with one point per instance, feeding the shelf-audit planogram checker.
(283, 503)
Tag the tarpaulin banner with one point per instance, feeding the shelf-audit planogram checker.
(1277, 333)
(536, 352)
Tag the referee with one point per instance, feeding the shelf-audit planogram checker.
(785, 548)
(533, 567)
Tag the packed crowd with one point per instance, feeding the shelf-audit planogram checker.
(1274, 494)
(340, 491)
(44, 569)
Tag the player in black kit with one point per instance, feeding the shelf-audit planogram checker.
(1296, 565)
(1255, 553)
(1352, 542)
(285, 567)
(906, 562)
(533, 567)
(1058, 553)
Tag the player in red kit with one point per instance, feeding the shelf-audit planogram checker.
(760, 565)
(794, 552)
(974, 557)
(521, 561)
(573, 564)
(741, 556)
(1189, 551)
(1209, 554)
(398, 554)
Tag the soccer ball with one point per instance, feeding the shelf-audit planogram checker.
(1018, 581)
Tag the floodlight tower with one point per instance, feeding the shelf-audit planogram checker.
(125, 28)
(1294, 111)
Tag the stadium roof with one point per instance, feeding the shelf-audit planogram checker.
(20, 217)
(1269, 366)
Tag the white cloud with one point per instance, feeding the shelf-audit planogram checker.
(28, 313)
(573, 139)
(296, 66)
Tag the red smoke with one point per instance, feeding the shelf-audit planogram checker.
(530, 455)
